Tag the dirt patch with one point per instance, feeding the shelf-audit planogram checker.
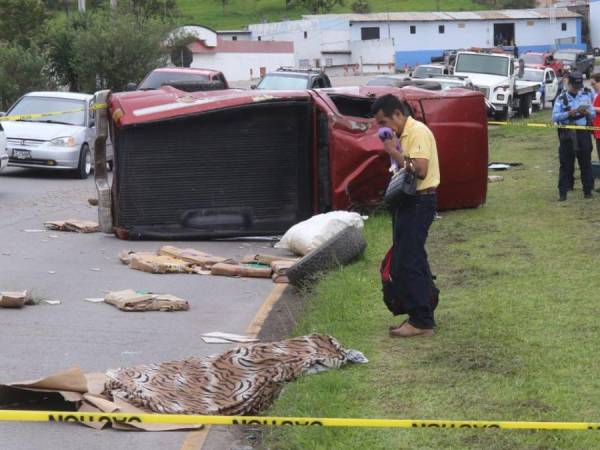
(469, 276)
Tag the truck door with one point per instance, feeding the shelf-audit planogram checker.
(551, 84)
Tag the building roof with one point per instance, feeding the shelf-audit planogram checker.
(226, 46)
(503, 14)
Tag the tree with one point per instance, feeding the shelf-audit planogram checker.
(22, 21)
(114, 51)
(177, 44)
(21, 71)
(361, 7)
(317, 6)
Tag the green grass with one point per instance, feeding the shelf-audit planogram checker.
(518, 326)
(244, 12)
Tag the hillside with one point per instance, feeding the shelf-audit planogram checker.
(240, 13)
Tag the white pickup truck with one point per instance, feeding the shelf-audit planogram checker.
(494, 75)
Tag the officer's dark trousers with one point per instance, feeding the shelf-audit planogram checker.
(567, 155)
(598, 147)
(410, 268)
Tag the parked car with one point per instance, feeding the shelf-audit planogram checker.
(543, 60)
(3, 154)
(289, 78)
(183, 78)
(59, 141)
(429, 70)
(574, 59)
(291, 155)
(548, 89)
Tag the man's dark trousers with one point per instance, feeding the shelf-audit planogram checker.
(410, 268)
(567, 155)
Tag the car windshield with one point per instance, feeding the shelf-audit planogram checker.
(565, 56)
(425, 72)
(533, 75)
(486, 64)
(157, 79)
(382, 81)
(74, 110)
(531, 58)
(283, 82)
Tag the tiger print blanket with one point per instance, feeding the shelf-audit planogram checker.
(243, 380)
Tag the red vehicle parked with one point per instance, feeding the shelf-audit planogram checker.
(181, 77)
(543, 60)
(233, 163)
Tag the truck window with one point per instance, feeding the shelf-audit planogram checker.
(486, 64)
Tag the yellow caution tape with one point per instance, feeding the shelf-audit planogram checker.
(185, 419)
(50, 114)
(544, 125)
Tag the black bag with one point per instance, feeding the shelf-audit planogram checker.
(402, 187)
(391, 296)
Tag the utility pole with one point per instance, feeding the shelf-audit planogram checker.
(81, 5)
(113, 4)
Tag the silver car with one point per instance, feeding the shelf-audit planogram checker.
(63, 140)
(3, 154)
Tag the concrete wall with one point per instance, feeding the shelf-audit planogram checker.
(242, 66)
(595, 23)
(228, 36)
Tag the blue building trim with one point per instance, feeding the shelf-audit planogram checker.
(415, 57)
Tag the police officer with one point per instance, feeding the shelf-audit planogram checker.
(574, 107)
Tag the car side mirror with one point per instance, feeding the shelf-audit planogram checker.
(92, 123)
(253, 86)
(131, 87)
(3, 114)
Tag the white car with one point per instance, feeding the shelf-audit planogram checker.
(55, 141)
(3, 154)
(549, 85)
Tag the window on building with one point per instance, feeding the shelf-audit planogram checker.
(368, 33)
(413, 29)
(260, 38)
(461, 25)
(563, 26)
(304, 63)
(329, 62)
(441, 29)
(305, 34)
(530, 23)
(234, 38)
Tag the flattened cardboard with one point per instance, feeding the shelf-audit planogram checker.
(75, 225)
(14, 299)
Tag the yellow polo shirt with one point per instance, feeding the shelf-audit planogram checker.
(417, 141)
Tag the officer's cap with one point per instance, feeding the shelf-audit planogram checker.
(576, 79)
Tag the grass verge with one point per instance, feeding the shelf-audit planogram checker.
(240, 13)
(517, 328)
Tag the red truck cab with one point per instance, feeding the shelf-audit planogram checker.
(543, 60)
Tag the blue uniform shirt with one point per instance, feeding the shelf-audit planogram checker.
(560, 113)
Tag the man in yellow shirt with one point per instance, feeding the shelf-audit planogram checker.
(414, 148)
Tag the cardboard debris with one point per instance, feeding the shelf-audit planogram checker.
(13, 299)
(78, 226)
(230, 337)
(238, 270)
(266, 259)
(214, 340)
(130, 300)
(75, 391)
(158, 264)
(280, 278)
(190, 255)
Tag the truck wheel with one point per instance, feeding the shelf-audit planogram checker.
(339, 250)
(541, 105)
(525, 106)
(85, 163)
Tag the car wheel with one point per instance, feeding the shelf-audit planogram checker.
(85, 163)
(339, 250)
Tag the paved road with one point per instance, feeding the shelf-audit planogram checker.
(41, 339)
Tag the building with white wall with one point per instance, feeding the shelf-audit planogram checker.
(409, 38)
(595, 23)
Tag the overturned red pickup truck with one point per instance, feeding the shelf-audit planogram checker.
(239, 163)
